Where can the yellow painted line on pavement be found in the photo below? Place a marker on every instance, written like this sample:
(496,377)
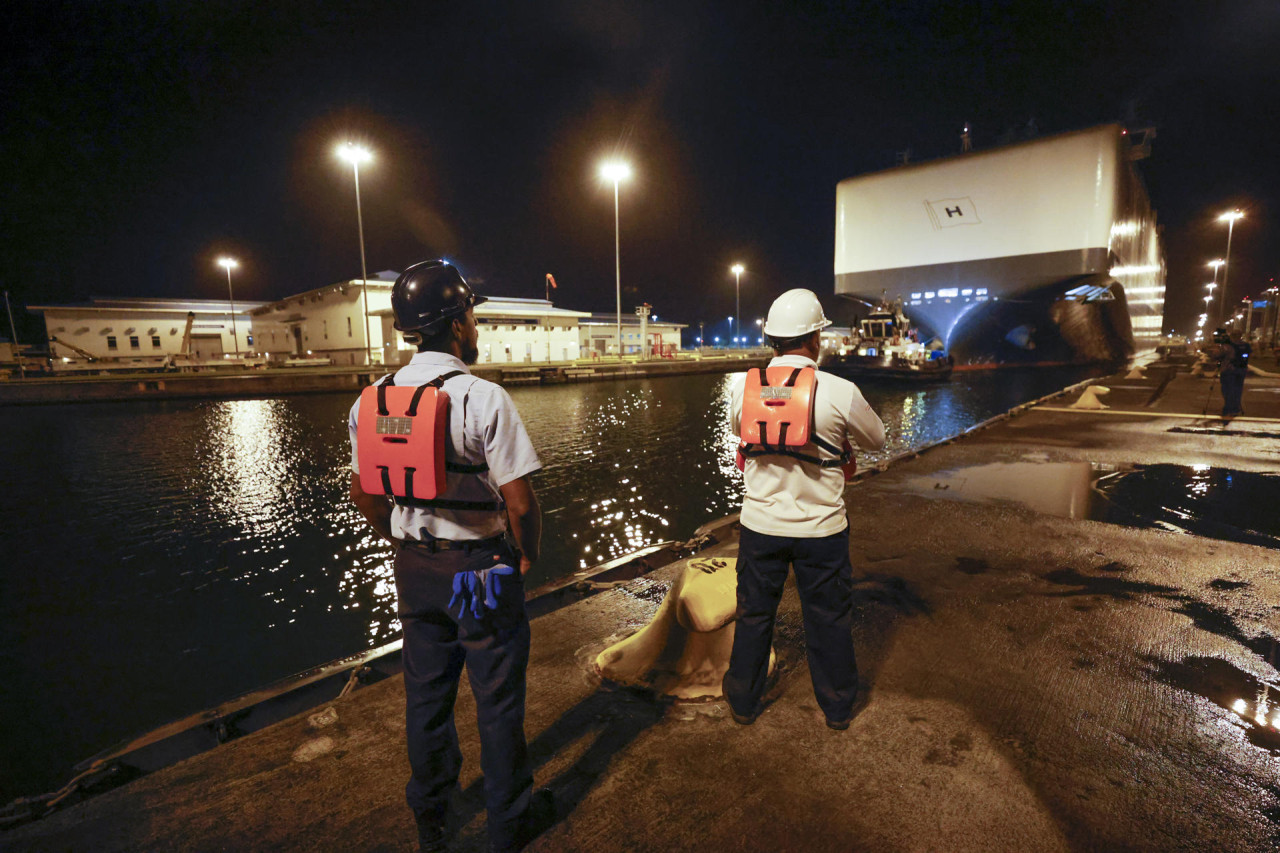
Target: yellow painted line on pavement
(1154,414)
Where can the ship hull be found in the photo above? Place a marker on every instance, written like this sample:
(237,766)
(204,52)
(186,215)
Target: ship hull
(1044,251)
(866,367)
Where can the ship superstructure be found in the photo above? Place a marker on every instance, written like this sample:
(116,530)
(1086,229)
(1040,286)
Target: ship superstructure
(1045,250)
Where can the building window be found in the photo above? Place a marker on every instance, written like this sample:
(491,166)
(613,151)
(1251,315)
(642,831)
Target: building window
(348,327)
(111,341)
(249,338)
(133,342)
(155,342)
(326,329)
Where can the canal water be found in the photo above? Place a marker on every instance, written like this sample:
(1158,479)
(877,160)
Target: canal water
(158,558)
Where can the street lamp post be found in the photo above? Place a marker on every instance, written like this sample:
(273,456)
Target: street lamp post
(617,171)
(1217,265)
(1230,218)
(229,264)
(355,155)
(737,270)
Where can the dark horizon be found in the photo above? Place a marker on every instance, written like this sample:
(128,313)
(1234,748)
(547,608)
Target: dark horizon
(145,141)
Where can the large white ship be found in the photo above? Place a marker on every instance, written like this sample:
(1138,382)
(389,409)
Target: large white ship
(1039,251)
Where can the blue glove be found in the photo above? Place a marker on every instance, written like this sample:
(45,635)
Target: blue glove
(468,586)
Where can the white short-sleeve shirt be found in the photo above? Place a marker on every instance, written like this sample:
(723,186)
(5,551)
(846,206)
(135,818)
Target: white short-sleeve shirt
(790,497)
(484,426)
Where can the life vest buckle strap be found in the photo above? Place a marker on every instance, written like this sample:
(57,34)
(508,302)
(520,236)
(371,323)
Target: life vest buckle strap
(450,503)
(382,394)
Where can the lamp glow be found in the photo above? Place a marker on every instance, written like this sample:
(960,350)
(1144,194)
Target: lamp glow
(354,154)
(615,170)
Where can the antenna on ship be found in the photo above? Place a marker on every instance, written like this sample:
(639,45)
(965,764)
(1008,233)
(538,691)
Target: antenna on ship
(966,141)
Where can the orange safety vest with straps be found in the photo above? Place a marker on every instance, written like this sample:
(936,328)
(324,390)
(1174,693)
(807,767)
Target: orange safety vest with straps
(401,436)
(777,419)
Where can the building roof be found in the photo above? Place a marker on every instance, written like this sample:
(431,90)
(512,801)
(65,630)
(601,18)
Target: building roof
(376,283)
(122,305)
(512,306)
(611,319)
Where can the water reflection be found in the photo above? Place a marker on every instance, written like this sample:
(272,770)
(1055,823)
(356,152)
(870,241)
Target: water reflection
(214,544)
(1055,488)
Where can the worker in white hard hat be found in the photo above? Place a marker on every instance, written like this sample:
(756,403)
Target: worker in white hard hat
(798,426)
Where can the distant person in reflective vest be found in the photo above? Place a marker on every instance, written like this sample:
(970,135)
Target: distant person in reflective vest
(798,426)
(440,465)
(1233,355)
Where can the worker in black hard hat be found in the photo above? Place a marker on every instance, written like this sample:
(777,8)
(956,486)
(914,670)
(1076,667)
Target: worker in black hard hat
(461,552)
(1232,353)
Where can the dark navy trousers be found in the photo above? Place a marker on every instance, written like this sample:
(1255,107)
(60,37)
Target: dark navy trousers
(1232,380)
(494,646)
(824,579)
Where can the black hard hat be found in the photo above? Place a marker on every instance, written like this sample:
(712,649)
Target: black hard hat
(428,294)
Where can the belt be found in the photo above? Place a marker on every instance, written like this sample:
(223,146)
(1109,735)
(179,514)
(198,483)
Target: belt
(432,546)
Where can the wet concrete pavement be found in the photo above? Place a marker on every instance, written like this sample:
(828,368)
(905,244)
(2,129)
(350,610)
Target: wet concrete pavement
(1038,681)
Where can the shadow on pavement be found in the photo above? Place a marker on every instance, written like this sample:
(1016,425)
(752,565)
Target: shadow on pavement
(611,718)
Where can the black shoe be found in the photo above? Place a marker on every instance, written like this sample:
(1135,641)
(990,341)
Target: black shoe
(430,835)
(744,719)
(859,703)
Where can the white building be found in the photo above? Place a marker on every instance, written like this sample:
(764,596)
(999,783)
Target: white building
(145,331)
(512,331)
(328,323)
(599,335)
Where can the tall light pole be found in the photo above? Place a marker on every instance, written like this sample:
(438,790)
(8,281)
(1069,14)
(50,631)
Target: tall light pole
(737,270)
(13,330)
(355,155)
(1217,265)
(1230,218)
(229,264)
(617,171)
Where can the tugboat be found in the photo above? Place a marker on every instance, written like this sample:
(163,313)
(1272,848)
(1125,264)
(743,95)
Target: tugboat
(886,347)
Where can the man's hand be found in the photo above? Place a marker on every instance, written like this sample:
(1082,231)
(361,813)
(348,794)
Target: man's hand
(525,519)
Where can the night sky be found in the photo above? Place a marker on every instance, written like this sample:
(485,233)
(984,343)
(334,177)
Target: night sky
(141,140)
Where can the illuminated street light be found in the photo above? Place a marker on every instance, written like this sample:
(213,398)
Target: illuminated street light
(737,270)
(355,155)
(1230,218)
(229,264)
(617,171)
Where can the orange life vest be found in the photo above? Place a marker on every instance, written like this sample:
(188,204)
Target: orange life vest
(401,436)
(777,418)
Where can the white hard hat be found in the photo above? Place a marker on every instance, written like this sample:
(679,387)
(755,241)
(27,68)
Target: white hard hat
(795,313)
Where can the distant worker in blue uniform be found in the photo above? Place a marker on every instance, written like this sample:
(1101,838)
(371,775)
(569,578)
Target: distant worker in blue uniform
(798,427)
(1233,355)
(440,465)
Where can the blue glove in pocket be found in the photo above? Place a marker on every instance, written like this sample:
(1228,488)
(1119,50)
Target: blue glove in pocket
(479,589)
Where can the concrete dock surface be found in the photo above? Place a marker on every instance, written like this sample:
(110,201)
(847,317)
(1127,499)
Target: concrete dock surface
(1038,681)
